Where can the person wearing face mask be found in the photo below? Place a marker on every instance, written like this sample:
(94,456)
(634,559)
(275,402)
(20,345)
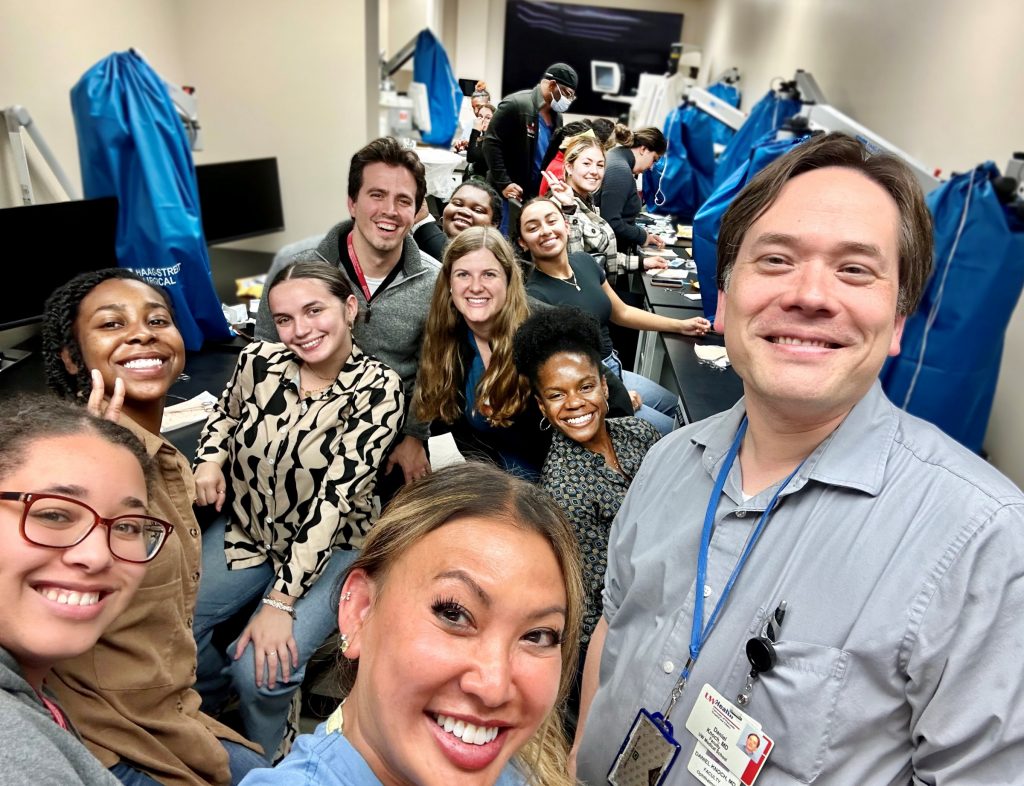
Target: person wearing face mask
(517,139)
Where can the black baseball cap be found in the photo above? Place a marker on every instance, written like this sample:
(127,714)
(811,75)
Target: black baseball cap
(564,74)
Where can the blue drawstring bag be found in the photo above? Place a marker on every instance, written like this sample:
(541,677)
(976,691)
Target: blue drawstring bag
(766,117)
(431,67)
(952,345)
(132,145)
(721,134)
(680,182)
(708,220)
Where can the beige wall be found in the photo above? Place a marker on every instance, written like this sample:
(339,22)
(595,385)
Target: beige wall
(45,47)
(291,80)
(285,80)
(940,80)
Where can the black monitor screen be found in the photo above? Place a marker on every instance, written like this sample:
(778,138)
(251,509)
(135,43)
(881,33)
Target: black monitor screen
(85,232)
(239,199)
(539,34)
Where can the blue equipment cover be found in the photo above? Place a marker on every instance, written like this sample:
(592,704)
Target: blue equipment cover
(431,67)
(952,345)
(766,117)
(708,220)
(721,134)
(133,146)
(680,182)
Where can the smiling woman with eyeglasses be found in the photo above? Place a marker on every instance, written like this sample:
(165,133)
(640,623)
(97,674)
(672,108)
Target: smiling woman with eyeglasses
(75,535)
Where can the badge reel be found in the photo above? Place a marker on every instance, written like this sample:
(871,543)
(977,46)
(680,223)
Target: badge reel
(761,653)
(648,753)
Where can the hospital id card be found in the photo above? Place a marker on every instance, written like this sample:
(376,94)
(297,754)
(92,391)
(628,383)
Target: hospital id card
(731,746)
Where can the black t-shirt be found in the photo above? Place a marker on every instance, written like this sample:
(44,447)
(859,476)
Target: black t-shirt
(590,298)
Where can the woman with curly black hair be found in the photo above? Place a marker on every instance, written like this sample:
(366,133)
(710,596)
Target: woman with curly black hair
(592,459)
(107,335)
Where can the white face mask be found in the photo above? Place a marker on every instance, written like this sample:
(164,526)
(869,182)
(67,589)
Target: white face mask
(563,103)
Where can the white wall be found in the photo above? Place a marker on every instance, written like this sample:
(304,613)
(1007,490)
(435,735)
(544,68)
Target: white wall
(46,46)
(291,80)
(939,79)
(285,80)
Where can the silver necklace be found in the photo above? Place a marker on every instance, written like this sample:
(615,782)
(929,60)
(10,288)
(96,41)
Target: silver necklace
(571,281)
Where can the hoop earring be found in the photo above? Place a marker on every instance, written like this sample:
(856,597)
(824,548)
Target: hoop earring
(543,421)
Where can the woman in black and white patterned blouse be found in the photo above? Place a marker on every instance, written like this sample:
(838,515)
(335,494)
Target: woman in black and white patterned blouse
(298,436)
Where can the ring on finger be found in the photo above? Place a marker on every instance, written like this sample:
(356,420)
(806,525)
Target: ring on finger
(271,654)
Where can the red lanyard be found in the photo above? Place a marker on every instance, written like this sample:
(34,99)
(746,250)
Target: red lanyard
(358,268)
(55,712)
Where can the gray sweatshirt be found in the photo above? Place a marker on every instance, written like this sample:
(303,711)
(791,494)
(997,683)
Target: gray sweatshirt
(34,750)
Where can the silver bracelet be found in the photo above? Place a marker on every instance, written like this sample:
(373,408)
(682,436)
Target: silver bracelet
(276,604)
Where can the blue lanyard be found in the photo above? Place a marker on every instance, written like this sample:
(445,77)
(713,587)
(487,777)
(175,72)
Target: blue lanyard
(698,634)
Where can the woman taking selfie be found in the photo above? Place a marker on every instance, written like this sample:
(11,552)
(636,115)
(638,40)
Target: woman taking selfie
(300,432)
(459,626)
(76,538)
(565,279)
(109,341)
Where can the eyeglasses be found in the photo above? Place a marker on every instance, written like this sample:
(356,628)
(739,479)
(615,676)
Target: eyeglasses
(58,522)
(566,92)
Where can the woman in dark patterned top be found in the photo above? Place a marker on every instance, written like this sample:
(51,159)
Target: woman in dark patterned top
(592,460)
(300,432)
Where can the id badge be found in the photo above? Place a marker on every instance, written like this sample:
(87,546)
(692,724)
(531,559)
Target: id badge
(647,754)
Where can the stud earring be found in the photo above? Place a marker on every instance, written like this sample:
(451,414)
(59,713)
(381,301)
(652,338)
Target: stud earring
(344,643)
(346,596)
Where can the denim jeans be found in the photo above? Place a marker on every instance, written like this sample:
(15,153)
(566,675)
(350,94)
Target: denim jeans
(240,761)
(222,593)
(660,404)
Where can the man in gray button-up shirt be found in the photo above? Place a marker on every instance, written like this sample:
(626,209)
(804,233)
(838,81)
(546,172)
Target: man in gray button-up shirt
(900,554)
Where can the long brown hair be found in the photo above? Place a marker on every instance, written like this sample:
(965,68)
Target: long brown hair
(442,374)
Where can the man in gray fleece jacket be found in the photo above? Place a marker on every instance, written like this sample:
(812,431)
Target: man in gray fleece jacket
(391,278)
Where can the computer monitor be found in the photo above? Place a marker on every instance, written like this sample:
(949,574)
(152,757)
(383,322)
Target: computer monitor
(86,233)
(239,199)
(605,77)
(420,106)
